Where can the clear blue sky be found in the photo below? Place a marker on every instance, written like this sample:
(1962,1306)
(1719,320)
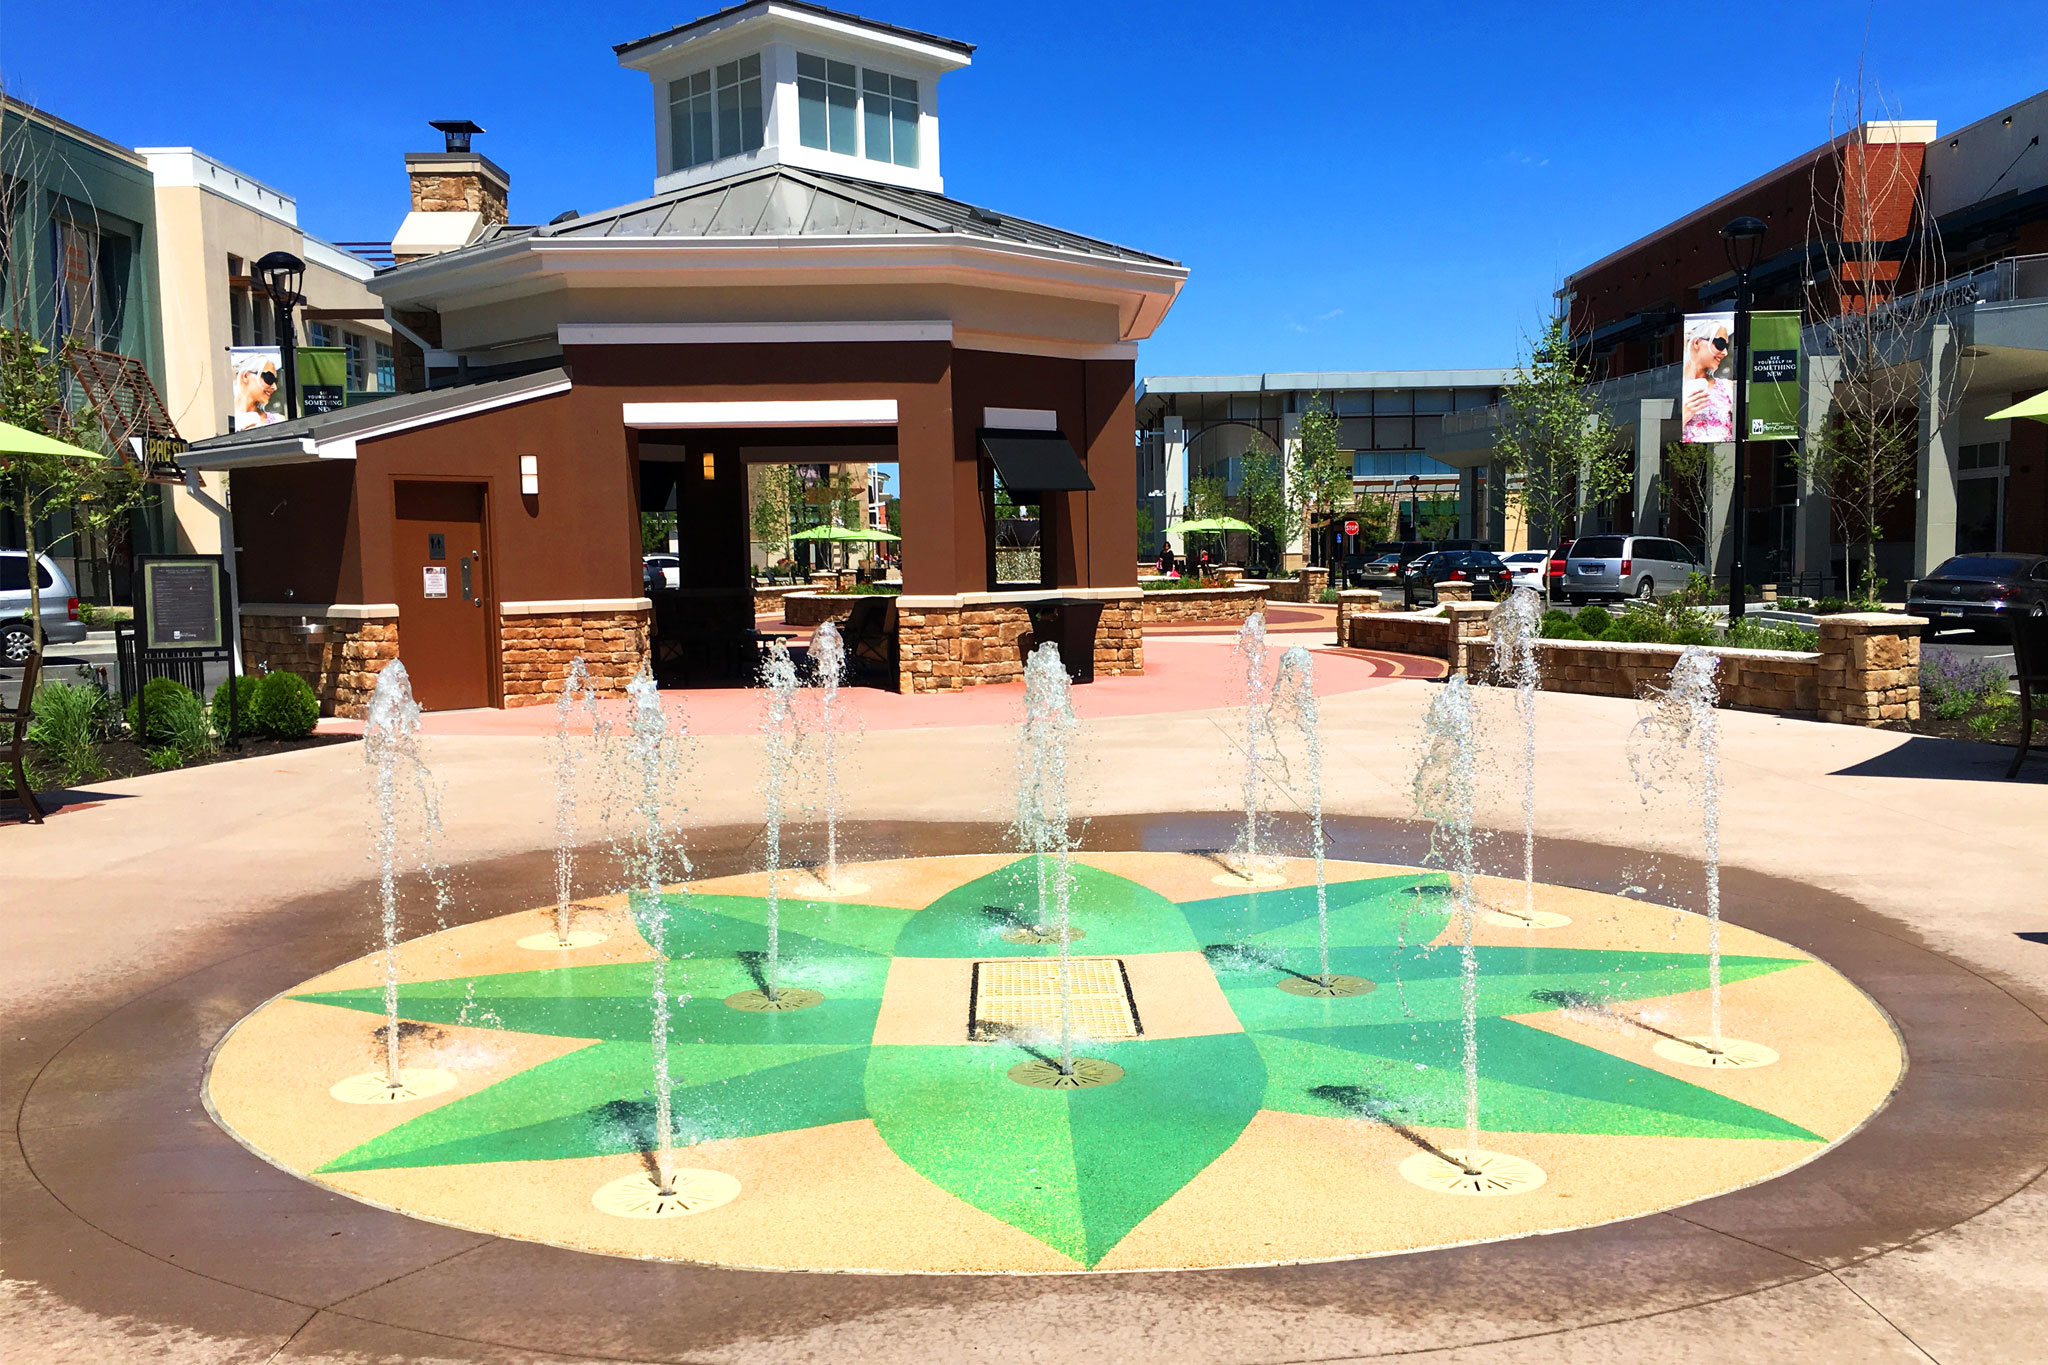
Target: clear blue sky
(1355,186)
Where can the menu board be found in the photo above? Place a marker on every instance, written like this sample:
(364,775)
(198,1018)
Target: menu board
(181,603)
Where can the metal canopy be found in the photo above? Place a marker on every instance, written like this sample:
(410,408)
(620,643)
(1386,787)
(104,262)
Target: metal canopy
(1035,461)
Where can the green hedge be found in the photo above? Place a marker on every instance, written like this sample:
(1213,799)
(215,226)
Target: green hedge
(167,698)
(284,706)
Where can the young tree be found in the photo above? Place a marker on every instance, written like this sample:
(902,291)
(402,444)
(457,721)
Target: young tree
(1872,236)
(1264,496)
(1319,483)
(1691,474)
(1436,517)
(1555,440)
(778,493)
(96,491)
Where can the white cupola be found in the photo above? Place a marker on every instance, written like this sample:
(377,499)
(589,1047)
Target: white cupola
(781,82)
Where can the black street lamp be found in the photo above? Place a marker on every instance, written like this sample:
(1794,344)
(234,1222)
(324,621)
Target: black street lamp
(1414,506)
(281,273)
(1743,239)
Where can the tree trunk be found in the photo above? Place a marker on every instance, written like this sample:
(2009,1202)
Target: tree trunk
(35,592)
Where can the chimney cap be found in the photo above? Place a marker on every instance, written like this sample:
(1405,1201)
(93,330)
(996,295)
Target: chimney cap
(455,132)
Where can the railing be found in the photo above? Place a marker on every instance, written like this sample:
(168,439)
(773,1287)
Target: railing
(376,253)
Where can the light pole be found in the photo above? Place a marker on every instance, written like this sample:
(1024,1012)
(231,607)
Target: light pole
(281,273)
(1415,507)
(1743,239)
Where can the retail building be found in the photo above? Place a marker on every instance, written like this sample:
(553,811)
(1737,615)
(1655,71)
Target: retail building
(799,288)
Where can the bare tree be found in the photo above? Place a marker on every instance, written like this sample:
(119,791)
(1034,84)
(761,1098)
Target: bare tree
(1874,270)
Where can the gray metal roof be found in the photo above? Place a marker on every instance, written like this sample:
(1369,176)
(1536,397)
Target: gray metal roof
(784,201)
(401,410)
(841,15)
(1325,380)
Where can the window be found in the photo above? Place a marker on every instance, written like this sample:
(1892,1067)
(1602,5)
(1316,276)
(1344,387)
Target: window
(826,99)
(320,334)
(387,368)
(715,114)
(358,377)
(77,261)
(890,117)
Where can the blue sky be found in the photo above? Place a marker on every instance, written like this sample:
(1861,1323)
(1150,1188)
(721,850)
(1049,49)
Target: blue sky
(1354,186)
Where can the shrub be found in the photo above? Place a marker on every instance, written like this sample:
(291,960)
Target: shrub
(285,706)
(1746,634)
(67,722)
(164,759)
(244,707)
(1983,724)
(162,695)
(1594,621)
(1637,628)
(188,727)
(1555,619)
(1328,597)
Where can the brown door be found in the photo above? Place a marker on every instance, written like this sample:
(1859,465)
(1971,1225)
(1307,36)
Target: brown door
(445,608)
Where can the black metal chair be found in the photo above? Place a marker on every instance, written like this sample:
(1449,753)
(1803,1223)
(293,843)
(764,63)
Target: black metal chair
(21,792)
(2030,661)
(869,633)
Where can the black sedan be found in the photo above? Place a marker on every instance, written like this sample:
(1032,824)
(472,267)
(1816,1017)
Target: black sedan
(1977,592)
(1491,580)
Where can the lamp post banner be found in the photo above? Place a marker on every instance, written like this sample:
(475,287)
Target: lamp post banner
(257,393)
(323,379)
(1774,376)
(1707,397)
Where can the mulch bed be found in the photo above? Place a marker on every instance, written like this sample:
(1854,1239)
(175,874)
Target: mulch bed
(124,758)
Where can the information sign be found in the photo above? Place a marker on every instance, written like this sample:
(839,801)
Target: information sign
(181,603)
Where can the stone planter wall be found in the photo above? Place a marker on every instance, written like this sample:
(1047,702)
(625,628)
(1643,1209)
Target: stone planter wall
(1869,667)
(768,599)
(807,608)
(1306,586)
(1182,606)
(945,648)
(340,659)
(535,651)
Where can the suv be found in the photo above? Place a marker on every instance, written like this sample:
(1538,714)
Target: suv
(1615,567)
(61,625)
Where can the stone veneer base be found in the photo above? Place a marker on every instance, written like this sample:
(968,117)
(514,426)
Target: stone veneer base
(945,648)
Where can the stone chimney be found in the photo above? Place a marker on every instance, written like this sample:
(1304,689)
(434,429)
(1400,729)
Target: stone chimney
(457,195)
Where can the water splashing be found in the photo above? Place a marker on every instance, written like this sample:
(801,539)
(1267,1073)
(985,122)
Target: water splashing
(1260,749)
(1513,632)
(1683,720)
(828,671)
(568,756)
(778,733)
(392,750)
(1443,794)
(1294,692)
(654,858)
(1042,814)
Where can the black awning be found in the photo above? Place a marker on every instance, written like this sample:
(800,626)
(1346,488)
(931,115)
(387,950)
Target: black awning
(1035,461)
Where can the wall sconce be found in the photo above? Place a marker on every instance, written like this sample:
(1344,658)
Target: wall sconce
(529,475)
(710,466)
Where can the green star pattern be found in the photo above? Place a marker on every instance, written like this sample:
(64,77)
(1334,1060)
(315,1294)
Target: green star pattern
(1077,1169)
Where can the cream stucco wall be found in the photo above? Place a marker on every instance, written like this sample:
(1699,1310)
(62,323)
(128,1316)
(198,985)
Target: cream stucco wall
(197,230)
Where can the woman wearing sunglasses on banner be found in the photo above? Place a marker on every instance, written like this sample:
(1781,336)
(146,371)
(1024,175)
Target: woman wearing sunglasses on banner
(255,390)
(1709,396)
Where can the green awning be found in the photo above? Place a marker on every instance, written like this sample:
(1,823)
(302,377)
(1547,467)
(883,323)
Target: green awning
(844,533)
(16,440)
(1210,524)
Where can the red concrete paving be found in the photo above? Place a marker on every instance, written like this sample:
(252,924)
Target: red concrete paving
(1179,675)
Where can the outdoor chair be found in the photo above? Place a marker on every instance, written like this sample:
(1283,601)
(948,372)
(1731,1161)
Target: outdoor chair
(2030,661)
(869,633)
(21,791)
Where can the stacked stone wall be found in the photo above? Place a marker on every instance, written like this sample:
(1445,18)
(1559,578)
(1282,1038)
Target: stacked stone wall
(808,608)
(1184,606)
(1869,668)
(943,649)
(339,658)
(535,653)
(1305,586)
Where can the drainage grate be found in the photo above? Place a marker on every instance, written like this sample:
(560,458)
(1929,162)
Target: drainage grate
(1022,995)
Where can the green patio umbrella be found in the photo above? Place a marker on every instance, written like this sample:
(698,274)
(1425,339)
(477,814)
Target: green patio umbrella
(16,440)
(844,533)
(2035,407)
(1210,524)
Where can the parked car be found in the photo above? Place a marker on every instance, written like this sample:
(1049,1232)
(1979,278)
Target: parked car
(1553,572)
(1483,569)
(1527,567)
(1411,575)
(1978,591)
(1364,571)
(660,571)
(61,625)
(1610,568)
(1404,551)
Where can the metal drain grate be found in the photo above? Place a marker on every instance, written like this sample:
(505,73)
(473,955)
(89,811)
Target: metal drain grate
(1022,995)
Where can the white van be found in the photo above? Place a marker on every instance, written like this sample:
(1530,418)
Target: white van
(61,625)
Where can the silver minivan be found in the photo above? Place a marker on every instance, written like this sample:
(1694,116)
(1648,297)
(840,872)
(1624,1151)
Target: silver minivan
(61,625)
(1614,567)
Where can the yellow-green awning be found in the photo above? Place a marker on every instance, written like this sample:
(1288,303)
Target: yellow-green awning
(2035,407)
(16,440)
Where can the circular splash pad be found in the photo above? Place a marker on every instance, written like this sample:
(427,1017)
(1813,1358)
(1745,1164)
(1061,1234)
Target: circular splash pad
(879,1128)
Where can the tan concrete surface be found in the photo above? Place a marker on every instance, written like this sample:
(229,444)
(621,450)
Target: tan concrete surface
(105,903)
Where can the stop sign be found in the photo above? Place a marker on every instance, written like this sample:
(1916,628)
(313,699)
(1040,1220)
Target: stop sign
(1350,528)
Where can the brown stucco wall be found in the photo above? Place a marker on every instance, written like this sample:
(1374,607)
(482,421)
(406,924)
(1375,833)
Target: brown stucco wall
(296,526)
